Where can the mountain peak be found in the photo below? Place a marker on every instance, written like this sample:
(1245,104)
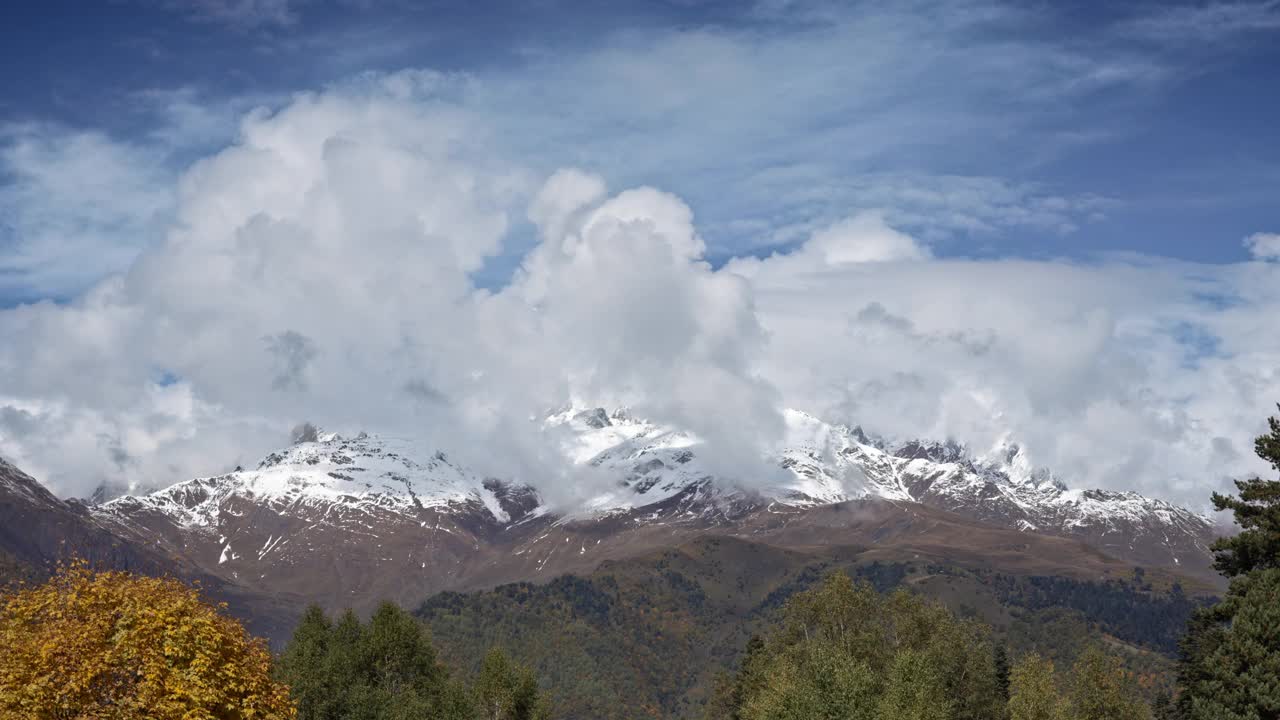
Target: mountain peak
(628,465)
(357,471)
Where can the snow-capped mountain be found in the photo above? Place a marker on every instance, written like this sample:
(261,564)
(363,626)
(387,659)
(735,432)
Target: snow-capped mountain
(1001,488)
(341,506)
(340,519)
(834,463)
(364,474)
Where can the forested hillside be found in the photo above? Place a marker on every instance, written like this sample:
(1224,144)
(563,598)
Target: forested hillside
(647,637)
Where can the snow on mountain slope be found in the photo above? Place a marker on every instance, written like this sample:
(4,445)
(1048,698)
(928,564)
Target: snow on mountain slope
(650,463)
(392,474)
(834,463)
(1002,488)
(654,463)
(338,520)
(386,502)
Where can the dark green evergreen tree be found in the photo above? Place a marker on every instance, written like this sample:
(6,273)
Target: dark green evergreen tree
(1237,677)
(1257,512)
(1002,672)
(1204,634)
(1229,662)
(304,666)
(388,669)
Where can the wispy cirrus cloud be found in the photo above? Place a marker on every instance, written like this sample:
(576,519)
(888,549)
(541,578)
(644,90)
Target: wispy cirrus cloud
(241,14)
(771,131)
(74,206)
(1201,22)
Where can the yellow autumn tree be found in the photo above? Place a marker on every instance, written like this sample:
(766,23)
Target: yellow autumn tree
(113,645)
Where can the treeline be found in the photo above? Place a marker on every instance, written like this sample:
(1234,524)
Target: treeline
(653,631)
(1125,610)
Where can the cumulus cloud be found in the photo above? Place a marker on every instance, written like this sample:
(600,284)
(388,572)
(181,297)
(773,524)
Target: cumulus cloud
(323,266)
(1133,373)
(861,239)
(636,318)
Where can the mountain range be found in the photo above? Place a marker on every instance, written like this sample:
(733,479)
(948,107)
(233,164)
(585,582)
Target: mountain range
(347,521)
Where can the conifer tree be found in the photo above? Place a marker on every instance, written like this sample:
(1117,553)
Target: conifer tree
(1257,512)
(1163,708)
(1001,659)
(388,669)
(732,689)
(1238,678)
(304,665)
(1229,663)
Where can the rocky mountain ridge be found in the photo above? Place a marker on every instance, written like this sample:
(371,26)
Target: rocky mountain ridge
(348,520)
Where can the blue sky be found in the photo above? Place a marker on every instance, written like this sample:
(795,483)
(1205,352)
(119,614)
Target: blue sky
(1062,129)
(1055,224)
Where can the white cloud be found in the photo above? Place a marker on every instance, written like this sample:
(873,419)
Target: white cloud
(771,134)
(1131,373)
(1264,246)
(72,195)
(861,239)
(322,267)
(790,130)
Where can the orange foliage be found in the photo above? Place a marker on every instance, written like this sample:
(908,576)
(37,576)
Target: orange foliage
(113,645)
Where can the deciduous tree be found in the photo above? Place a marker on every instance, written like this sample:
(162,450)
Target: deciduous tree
(844,651)
(114,645)
(1101,689)
(1033,691)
